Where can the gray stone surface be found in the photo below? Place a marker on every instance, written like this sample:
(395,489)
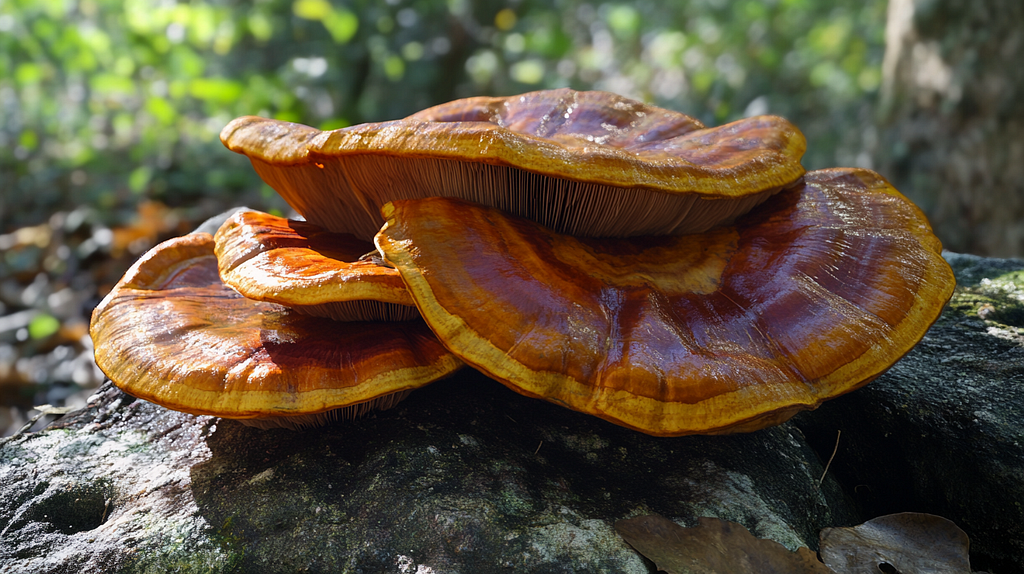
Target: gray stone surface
(943,430)
(464,476)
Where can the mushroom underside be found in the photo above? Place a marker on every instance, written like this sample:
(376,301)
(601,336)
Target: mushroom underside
(344,194)
(306,422)
(589,164)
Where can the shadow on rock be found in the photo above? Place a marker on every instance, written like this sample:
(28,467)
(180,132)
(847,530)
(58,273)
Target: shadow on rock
(466,475)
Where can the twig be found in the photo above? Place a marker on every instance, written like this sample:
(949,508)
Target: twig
(43,411)
(829,463)
(538,448)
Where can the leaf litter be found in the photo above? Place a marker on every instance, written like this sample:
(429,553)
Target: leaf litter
(905,543)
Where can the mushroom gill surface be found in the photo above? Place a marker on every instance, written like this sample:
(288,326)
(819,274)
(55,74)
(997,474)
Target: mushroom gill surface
(814,294)
(309,270)
(585,163)
(171,333)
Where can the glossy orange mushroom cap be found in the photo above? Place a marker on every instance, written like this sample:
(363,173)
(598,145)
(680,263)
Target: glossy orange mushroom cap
(308,269)
(171,333)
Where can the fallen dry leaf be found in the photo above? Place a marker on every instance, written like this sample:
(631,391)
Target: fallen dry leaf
(908,543)
(714,546)
(152,219)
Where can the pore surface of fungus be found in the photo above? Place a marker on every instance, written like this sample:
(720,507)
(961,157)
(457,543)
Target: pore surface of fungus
(814,294)
(171,333)
(585,163)
(308,269)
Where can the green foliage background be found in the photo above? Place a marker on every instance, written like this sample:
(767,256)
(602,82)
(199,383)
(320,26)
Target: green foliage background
(108,102)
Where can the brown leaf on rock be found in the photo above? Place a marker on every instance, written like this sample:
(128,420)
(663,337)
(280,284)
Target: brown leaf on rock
(908,542)
(714,546)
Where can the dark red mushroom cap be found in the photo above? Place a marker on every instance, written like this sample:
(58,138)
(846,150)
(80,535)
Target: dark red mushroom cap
(814,294)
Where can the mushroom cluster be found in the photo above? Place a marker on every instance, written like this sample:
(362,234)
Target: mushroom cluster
(618,259)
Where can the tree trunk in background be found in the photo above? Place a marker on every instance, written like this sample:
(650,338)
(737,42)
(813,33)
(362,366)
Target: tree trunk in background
(953,118)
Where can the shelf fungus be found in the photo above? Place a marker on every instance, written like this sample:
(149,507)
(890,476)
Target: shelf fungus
(584,163)
(172,333)
(618,259)
(308,269)
(812,295)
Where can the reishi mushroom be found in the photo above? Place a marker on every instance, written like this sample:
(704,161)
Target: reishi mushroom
(171,333)
(308,269)
(642,285)
(584,163)
(813,295)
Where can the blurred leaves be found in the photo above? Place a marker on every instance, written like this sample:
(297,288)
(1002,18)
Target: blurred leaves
(42,326)
(108,103)
(51,277)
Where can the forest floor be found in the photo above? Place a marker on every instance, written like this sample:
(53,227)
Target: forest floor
(52,275)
